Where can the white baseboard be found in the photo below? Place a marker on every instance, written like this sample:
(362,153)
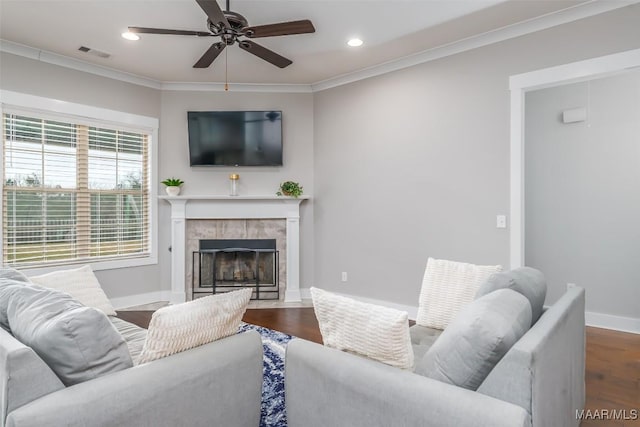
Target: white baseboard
(412,310)
(140,299)
(609,321)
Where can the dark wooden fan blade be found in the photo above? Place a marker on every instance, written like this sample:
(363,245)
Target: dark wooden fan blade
(143,30)
(210,55)
(213,11)
(264,53)
(281,29)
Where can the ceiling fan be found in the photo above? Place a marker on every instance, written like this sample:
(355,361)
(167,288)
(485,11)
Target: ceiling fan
(230,27)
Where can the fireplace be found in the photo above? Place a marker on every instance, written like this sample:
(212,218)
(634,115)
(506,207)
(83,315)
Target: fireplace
(195,217)
(223,265)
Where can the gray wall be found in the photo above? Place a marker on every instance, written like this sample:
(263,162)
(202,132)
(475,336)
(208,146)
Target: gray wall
(582,191)
(297,134)
(38,78)
(415,163)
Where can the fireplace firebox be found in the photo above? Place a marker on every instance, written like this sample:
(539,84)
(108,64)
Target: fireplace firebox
(223,265)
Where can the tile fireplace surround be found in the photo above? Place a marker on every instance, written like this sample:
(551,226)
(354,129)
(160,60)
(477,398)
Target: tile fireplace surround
(185,208)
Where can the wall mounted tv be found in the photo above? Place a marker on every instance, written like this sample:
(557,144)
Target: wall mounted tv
(235,138)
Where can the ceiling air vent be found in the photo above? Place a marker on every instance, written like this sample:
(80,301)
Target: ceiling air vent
(94,52)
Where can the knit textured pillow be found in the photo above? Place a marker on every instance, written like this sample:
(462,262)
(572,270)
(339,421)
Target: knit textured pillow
(81,284)
(179,327)
(447,287)
(369,330)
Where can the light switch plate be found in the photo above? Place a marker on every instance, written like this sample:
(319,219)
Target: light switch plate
(501,221)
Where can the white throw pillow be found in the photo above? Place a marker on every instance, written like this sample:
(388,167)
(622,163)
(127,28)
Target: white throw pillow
(81,284)
(179,327)
(447,287)
(369,330)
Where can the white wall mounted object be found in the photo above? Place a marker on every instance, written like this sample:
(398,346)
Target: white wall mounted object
(574,115)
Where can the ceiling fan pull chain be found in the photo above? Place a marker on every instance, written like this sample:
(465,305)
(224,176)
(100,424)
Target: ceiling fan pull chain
(226,68)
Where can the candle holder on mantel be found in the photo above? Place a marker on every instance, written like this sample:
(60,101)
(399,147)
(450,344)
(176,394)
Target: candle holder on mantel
(233,181)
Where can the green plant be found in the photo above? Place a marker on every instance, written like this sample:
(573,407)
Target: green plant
(290,188)
(173,182)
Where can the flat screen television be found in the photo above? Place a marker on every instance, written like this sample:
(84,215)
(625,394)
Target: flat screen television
(235,138)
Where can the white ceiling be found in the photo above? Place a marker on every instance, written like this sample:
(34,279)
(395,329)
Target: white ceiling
(390,29)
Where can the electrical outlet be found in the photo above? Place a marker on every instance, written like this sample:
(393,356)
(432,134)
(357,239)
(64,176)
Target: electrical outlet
(501,221)
(344,276)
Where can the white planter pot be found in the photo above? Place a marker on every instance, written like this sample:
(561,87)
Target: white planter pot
(172,191)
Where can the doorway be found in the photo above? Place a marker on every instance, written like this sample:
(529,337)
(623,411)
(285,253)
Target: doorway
(576,182)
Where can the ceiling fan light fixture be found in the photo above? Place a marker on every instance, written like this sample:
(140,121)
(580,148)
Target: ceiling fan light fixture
(355,42)
(230,27)
(130,36)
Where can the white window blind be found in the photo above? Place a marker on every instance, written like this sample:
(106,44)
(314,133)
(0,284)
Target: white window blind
(73,192)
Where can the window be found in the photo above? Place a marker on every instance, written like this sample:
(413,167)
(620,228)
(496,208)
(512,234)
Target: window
(74,190)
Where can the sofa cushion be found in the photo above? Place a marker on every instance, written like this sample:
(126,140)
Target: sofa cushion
(179,327)
(422,338)
(448,286)
(6,285)
(369,330)
(78,343)
(81,284)
(422,335)
(133,335)
(13,274)
(475,341)
(525,280)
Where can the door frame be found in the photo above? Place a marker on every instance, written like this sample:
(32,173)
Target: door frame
(519,85)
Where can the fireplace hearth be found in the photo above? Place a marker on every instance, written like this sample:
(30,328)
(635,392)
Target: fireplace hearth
(223,265)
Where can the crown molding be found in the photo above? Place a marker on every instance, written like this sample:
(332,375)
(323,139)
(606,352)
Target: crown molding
(574,13)
(237,87)
(553,19)
(79,65)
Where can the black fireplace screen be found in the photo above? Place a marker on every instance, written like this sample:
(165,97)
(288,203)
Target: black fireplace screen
(224,265)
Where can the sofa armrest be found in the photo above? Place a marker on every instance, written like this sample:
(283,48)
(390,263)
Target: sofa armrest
(218,384)
(327,387)
(544,371)
(24,376)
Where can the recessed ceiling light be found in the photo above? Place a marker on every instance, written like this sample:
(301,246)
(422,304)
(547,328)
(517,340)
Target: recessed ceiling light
(355,42)
(130,36)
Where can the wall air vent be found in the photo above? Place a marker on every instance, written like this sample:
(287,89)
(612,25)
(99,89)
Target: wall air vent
(94,52)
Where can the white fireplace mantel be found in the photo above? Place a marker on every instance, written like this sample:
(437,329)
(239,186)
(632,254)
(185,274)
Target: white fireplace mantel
(234,207)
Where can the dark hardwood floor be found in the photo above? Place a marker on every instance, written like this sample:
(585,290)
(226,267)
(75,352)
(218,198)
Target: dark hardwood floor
(613,375)
(140,318)
(612,364)
(299,322)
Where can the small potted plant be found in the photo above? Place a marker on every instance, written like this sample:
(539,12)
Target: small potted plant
(290,188)
(173,186)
